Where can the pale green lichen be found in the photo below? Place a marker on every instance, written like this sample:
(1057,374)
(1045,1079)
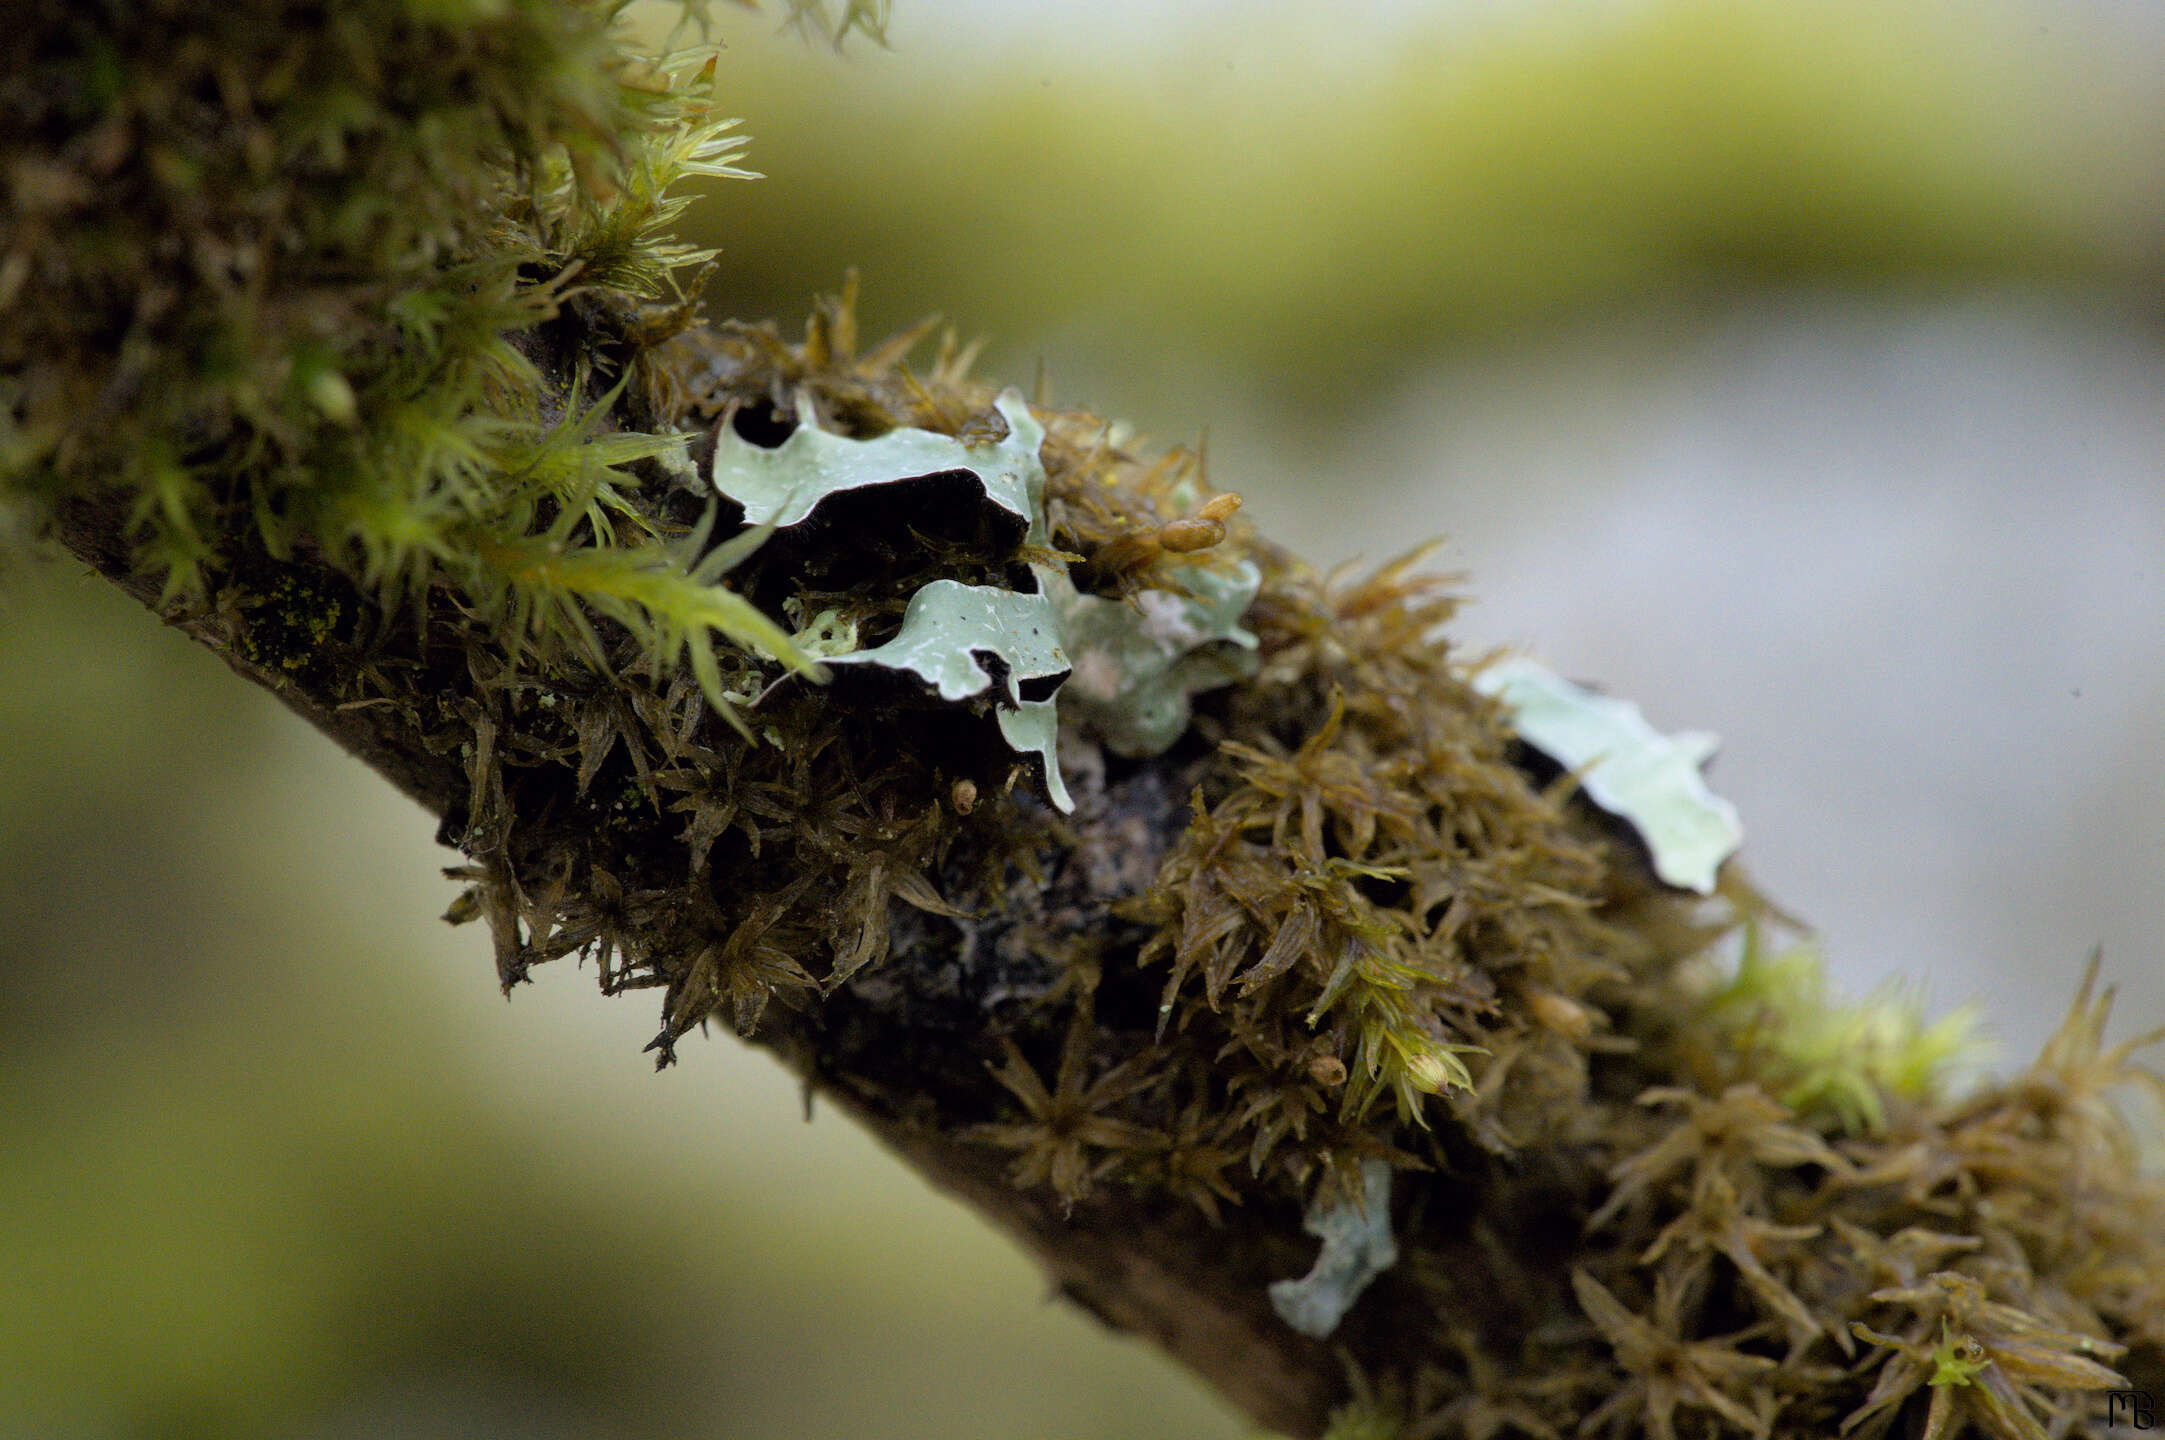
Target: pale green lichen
(949,630)
(949,625)
(1357,1247)
(784,484)
(1137,664)
(1625,766)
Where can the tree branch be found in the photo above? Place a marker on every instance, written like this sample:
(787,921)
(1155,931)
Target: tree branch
(1168,905)
(906,1047)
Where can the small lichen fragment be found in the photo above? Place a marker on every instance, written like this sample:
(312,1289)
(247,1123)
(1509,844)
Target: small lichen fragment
(1625,766)
(946,630)
(828,634)
(1033,728)
(1137,663)
(676,462)
(1357,1247)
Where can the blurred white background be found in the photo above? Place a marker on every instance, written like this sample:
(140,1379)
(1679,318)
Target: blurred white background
(1907,559)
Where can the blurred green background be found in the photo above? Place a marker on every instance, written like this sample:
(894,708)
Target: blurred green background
(1794,369)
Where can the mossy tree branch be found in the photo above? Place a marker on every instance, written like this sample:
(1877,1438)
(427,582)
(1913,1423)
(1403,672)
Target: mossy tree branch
(905,1062)
(357,352)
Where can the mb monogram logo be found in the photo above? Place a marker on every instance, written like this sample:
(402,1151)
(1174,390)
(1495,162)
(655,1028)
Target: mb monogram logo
(2132,1408)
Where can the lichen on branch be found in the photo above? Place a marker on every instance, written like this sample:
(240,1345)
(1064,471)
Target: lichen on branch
(356,344)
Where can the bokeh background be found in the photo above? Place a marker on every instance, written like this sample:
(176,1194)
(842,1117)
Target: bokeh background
(1794,369)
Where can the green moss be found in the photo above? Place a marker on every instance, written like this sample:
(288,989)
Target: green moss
(1844,1063)
(275,276)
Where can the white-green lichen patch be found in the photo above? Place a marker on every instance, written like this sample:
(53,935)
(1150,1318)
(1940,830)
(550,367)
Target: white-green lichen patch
(1129,667)
(1138,662)
(947,631)
(1357,1247)
(783,485)
(1643,777)
(826,635)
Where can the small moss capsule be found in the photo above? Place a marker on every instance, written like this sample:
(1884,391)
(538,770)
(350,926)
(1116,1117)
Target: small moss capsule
(1565,1016)
(1428,1072)
(1184,537)
(1200,531)
(1327,1070)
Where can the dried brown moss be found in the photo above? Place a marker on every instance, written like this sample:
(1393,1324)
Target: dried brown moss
(1373,892)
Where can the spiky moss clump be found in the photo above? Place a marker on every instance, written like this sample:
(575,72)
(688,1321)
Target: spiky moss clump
(1988,1266)
(1676,1214)
(1372,900)
(1373,906)
(276,276)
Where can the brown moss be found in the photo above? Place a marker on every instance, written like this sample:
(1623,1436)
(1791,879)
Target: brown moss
(1374,897)
(1606,1214)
